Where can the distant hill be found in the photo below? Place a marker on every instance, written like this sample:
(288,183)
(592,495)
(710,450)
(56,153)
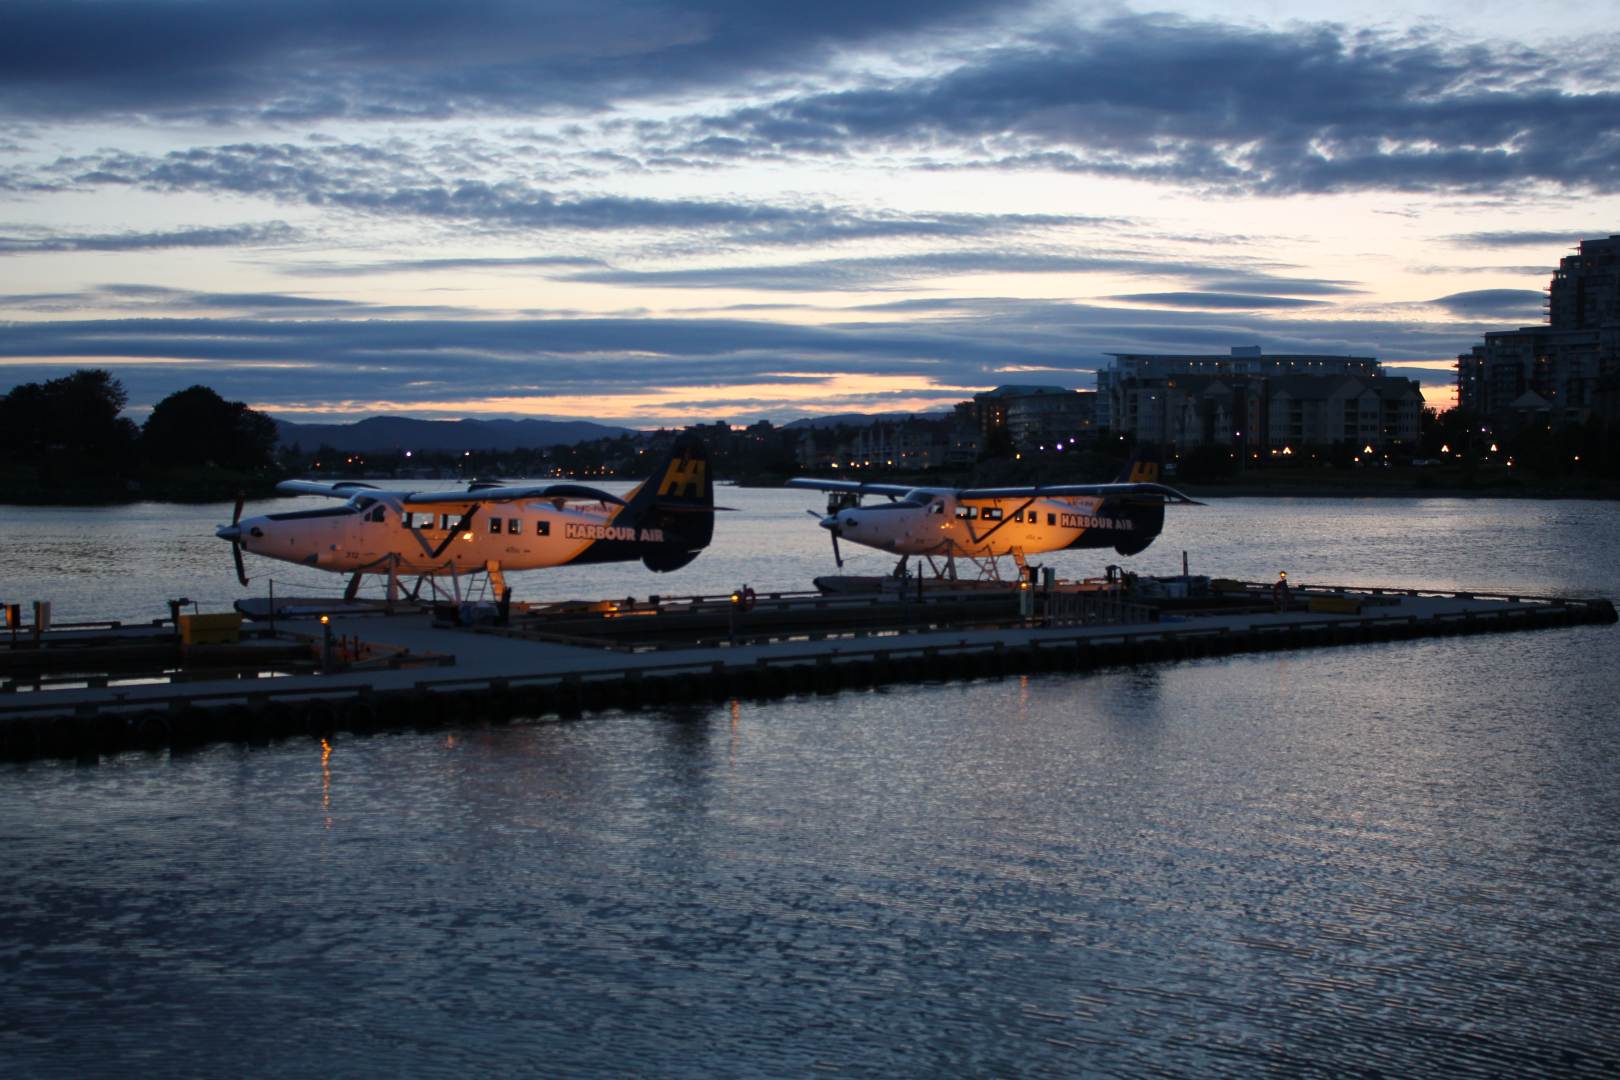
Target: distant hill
(862,419)
(380,433)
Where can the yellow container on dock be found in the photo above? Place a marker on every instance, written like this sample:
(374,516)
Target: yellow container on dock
(224,628)
(1336,605)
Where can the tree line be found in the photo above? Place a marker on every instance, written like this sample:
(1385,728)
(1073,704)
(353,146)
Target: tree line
(66,440)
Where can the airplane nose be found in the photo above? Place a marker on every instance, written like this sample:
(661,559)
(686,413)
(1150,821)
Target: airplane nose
(830,521)
(229,532)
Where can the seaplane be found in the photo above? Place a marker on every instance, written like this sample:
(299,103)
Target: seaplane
(983,525)
(487,528)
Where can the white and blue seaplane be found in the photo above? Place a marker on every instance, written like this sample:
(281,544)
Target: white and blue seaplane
(486,528)
(985,524)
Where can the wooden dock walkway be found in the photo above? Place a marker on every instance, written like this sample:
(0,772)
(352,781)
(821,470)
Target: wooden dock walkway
(411,670)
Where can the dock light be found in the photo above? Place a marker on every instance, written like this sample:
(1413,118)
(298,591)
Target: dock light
(1493,448)
(1368,449)
(326,620)
(1445,448)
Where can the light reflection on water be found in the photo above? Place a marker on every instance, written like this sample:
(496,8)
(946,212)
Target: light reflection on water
(1396,858)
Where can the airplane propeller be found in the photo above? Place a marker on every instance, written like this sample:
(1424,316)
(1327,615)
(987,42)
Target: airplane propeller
(833,531)
(234,535)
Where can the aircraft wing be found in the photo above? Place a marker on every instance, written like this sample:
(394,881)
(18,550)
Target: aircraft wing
(512,493)
(859,487)
(339,489)
(1040,491)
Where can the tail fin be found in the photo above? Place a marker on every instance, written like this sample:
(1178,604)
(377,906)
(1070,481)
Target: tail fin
(678,500)
(1146,515)
(1142,468)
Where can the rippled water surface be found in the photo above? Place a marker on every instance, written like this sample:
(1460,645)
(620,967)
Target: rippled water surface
(1392,860)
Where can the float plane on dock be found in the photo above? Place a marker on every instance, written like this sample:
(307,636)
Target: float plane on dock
(984,524)
(488,527)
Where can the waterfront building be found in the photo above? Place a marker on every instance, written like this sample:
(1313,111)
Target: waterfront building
(1032,416)
(1255,403)
(1563,372)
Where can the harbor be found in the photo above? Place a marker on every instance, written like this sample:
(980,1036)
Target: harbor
(320,669)
(1256,862)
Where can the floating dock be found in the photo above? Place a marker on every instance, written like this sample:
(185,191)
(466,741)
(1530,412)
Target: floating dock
(88,690)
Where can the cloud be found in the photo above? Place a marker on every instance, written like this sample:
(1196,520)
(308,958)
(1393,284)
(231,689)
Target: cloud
(1157,98)
(303,60)
(1503,305)
(1199,300)
(148,299)
(274,233)
(1526,238)
(888,271)
(405,182)
(592,366)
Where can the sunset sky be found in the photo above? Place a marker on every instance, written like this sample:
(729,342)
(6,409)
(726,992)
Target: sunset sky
(650,213)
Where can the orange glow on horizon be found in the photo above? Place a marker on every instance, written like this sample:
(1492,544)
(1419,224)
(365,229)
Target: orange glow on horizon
(821,393)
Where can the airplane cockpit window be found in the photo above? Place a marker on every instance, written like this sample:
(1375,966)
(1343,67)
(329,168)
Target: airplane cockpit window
(937,508)
(362,502)
(376,514)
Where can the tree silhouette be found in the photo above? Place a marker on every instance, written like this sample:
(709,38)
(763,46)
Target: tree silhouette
(198,427)
(74,417)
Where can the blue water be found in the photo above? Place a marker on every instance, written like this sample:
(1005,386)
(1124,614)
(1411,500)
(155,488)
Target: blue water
(1394,859)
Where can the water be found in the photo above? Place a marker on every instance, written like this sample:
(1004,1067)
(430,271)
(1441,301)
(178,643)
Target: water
(1394,860)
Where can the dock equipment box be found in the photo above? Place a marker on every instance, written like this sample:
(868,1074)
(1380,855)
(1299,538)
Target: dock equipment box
(224,628)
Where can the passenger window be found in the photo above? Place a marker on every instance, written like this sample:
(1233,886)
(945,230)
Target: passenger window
(542,528)
(495,525)
(967,513)
(1018,516)
(992,513)
(514,525)
(445,521)
(1051,519)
